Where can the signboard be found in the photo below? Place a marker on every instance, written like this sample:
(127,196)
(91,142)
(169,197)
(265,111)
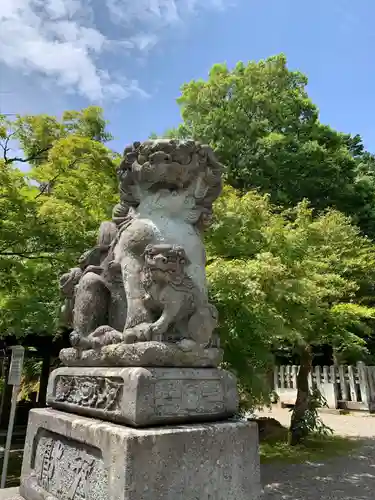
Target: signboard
(16,364)
(14,379)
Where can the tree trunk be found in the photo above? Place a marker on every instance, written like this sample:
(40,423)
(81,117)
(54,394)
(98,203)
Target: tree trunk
(335,359)
(297,431)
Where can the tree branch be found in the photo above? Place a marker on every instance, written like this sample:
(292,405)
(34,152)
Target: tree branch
(36,156)
(31,255)
(49,184)
(5,147)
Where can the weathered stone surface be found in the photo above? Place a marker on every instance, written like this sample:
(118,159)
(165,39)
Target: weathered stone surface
(143,354)
(145,279)
(145,396)
(66,468)
(10,494)
(69,458)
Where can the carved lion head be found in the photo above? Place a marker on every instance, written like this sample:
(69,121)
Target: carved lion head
(169,259)
(174,165)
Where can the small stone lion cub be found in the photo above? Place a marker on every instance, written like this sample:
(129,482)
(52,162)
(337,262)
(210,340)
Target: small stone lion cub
(170,292)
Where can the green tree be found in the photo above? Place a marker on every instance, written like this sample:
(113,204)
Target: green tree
(51,213)
(285,278)
(266,130)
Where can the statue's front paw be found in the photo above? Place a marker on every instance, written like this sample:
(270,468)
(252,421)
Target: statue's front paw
(157,333)
(105,335)
(187,345)
(75,338)
(130,337)
(139,333)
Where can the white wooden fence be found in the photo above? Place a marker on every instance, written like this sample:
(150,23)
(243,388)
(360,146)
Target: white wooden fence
(349,387)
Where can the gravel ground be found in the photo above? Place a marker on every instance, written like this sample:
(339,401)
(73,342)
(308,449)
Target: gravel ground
(344,478)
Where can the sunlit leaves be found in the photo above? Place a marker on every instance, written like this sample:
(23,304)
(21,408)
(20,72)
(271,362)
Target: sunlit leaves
(51,214)
(265,129)
(285,278)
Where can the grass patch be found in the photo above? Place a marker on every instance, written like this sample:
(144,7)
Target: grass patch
(314,449)
(14,469)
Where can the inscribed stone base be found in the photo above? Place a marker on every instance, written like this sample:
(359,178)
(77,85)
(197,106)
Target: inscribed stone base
(145,396)
(70,458)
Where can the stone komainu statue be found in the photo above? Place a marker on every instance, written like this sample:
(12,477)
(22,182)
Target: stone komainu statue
(145,280)
(98,280)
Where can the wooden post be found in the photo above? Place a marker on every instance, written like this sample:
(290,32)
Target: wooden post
(310,380)
(333,374)
(318,376)
(6,397)
(353,391)
(364,385)
(343,384)
(282,377)
(294,376)
(43,380)
(275,378)
(288,380)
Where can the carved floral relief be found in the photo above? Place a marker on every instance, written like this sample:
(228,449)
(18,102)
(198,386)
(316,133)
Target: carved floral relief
(93,392)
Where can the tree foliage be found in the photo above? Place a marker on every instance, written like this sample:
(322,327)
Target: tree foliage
(266,130)
(51,213)
(285,277)
(310,280)
(286,265)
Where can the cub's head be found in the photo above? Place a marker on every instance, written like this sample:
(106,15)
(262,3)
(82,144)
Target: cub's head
(166,258)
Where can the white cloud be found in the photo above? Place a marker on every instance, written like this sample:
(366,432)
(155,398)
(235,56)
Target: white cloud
(159,12)
(144,41)
(58,9)
(58,40)
(49,38)
(145,11)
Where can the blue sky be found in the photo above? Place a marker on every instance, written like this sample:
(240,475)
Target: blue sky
(132,56)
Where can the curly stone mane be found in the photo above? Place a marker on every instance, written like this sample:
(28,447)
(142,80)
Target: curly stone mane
(169,164)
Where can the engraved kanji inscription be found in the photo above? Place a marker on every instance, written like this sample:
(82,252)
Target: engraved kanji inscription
(68,469)
(188,396)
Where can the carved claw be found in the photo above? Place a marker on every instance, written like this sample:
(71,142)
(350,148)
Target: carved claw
(103,335)
(157,332)
(157,337)
(75,338)
(187,345)
(139,333)
(130,337)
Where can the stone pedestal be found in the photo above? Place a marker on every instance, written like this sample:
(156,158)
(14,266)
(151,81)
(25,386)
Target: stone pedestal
(142,397)
(72,457)
(69,456)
